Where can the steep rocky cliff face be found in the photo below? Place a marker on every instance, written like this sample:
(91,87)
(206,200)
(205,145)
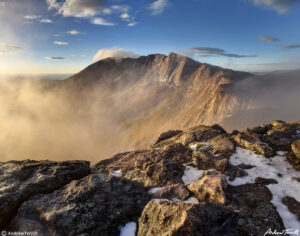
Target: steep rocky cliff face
(201,181)
(148,95)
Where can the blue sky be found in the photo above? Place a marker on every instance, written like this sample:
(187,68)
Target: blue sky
(64,36)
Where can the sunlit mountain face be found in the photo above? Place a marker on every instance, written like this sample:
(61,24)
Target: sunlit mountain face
(88,79)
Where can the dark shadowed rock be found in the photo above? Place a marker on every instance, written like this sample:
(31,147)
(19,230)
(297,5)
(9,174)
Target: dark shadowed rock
(20,180)
(173,191)
(262,129)
(293,205)
(177,152)
(204,160)
(165,218)
(210,188)
(252,202)
(278,139)
(94,205)
(252,142)
(218,127)
(167,135)
(264,181)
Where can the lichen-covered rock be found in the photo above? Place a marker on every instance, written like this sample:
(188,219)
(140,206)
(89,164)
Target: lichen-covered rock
(165,218)
(20,180)
(203,160)
(151,173)
(173,191)
(252,142)
(94,205)
(210,188)
(296,148)
(222,145)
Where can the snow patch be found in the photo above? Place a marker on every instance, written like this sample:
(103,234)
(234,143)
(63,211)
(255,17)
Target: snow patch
(271,168)
(154,190)
(281,153)
(117,173)
(298,133)
(192,200)
(194,146)
(128,230)
(191,174)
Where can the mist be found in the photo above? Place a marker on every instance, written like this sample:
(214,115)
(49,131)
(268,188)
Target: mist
(37,122)
(273,96)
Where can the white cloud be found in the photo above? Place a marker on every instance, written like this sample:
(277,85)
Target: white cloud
(132,24)
(54,58)
(125,16)
(158,6)
(60,43)
(114,52)
(32,17)
(3,4)
(77,8)
(101,21)
(74,32)
(281,6)
(47,21)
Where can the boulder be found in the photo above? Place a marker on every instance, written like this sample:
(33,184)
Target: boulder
(95,205)
(203,160)
(293,205)
(20,180)
(173,191)
(222,145)
(165,218)
(252,142)
(279,140)
(167,135)
(210,188)
(296,148)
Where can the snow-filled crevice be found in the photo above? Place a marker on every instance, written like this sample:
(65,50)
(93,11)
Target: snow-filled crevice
(271,168)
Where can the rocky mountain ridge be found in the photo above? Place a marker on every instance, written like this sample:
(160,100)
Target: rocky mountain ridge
(201,181)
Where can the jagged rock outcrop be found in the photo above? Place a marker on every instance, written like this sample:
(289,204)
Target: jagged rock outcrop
(20,180)
(174,187)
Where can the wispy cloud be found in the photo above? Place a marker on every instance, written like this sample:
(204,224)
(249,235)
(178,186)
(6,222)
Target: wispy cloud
(281,6)
(125,16)
(214,52)
(114,52)
(54,58)
(132,24)
(32,17)
(3,4)
(268,39)
(60,43)
(101,21)
(74,32)
(8,48)
(290,46)
(47,21)
(158,7)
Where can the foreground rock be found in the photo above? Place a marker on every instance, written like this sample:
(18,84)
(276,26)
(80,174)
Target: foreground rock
(20,180)
(189,170)
(252,142)
(94,205)
(165,218)
(210,188)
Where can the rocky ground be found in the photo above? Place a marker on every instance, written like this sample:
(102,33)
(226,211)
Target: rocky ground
(202,181)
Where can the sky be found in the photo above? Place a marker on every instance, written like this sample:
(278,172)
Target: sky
(64,36)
